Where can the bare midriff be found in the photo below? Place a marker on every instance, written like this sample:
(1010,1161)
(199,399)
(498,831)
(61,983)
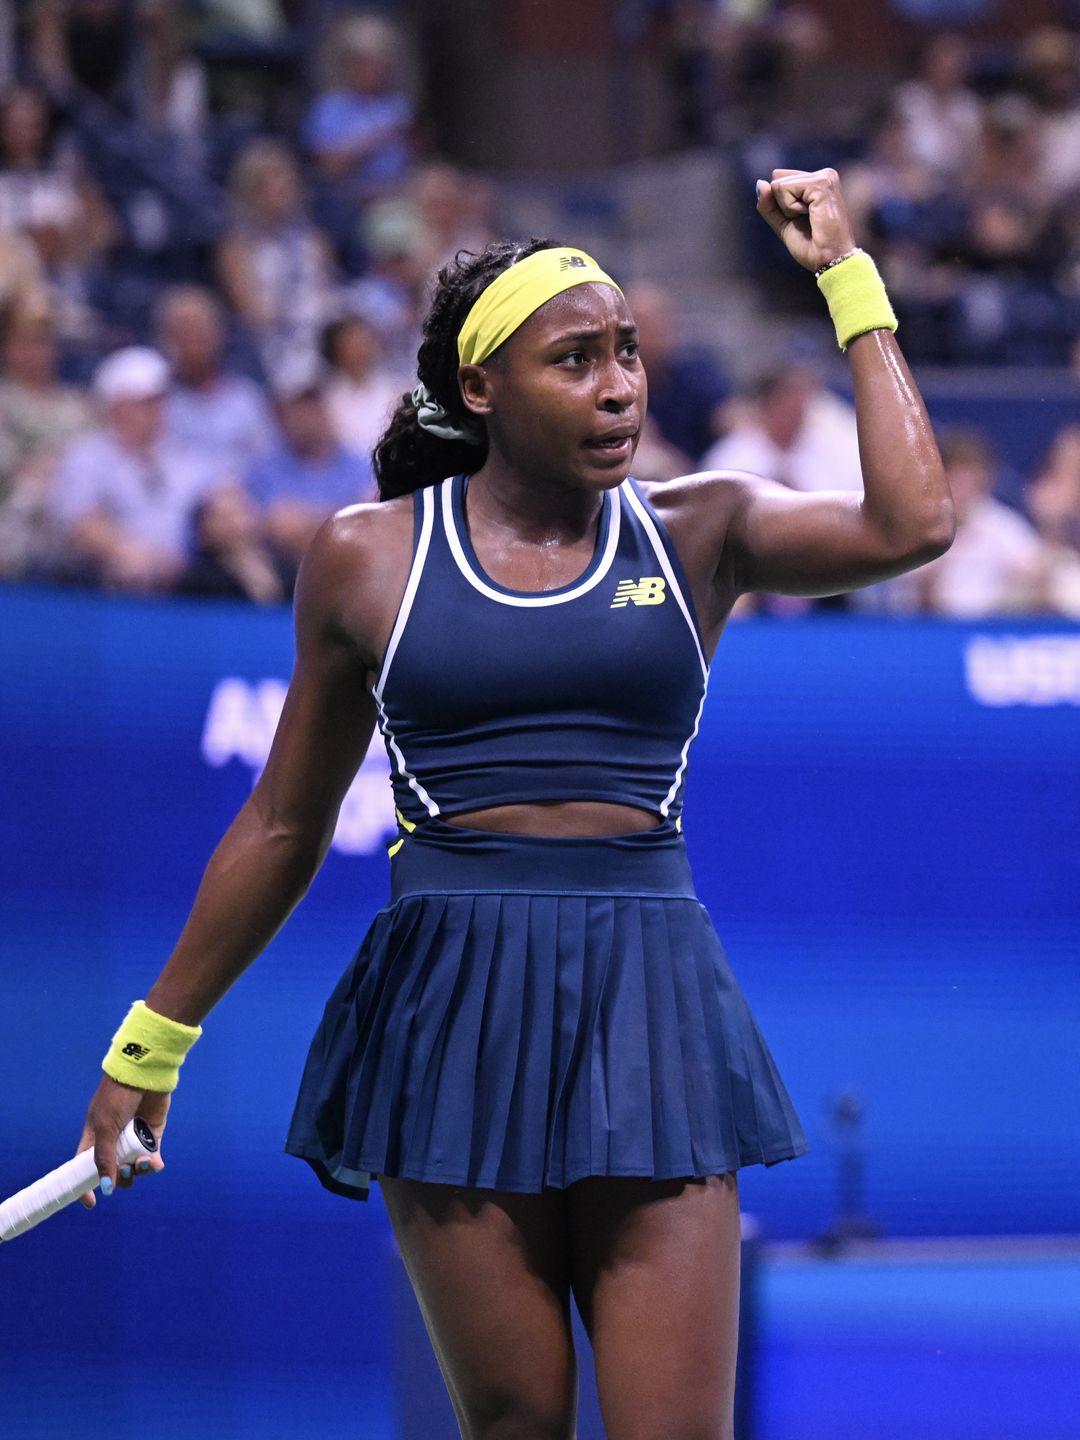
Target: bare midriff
(559,817)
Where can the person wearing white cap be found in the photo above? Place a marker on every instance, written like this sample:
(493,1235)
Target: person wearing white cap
(126,492)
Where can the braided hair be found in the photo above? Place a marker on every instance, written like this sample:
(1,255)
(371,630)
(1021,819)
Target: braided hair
(406,457)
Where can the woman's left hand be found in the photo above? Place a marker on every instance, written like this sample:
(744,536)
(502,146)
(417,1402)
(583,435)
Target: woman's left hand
(806,209)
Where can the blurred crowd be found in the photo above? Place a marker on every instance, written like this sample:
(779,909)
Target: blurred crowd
(1020,556)
(963,177)
(1007,559)
(972,198)
(213,270)
(208,306)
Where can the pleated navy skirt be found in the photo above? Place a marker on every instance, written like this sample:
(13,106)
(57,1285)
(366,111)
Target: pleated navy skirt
(528,1011)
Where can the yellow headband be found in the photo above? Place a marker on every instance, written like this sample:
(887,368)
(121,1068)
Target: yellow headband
(519,291)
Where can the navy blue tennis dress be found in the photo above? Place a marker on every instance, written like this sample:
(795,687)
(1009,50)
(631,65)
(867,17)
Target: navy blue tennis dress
(526,1010)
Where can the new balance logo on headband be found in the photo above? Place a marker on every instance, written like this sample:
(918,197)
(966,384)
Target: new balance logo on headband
(649,590)
(571,262)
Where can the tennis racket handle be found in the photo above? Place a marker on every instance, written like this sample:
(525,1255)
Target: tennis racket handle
(76,1177)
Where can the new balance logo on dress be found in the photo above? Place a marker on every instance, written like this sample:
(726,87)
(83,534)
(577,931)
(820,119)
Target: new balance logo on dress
(649,590)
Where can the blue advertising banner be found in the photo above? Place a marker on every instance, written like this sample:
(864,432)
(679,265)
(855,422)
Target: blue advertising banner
(882,819)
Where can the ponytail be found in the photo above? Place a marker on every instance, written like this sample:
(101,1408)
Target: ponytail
(408,457)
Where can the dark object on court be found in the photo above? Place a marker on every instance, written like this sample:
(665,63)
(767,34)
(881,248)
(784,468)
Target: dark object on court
(852,1222)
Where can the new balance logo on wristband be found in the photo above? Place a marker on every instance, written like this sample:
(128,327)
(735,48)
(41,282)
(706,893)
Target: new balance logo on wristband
(571,262)
(135,1052)
(649,590)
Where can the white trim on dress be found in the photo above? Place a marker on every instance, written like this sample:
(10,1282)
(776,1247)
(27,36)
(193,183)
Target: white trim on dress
(423,544)
(666,565)
(676,589)
(529,602)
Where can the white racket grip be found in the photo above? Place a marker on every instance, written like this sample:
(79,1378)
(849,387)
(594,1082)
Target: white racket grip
(76,1177)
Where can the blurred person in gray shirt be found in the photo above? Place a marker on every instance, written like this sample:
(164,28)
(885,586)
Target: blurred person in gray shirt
(125,494)
(207,407)
(39,416)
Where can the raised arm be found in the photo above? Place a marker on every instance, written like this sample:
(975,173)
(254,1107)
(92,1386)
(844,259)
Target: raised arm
(270,853)
(768,537)
(794,543)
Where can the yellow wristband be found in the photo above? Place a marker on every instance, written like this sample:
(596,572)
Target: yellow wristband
(148,1050)
(856,296)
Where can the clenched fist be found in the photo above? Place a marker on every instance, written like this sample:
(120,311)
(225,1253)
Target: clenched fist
(806,209)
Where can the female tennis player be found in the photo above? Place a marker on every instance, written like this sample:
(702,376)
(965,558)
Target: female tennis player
(540,1050)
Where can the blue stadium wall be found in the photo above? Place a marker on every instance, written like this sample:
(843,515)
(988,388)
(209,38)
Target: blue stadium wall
(883,821)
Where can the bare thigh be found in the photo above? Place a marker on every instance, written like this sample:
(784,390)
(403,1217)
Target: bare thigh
(491,1273)
(655,1271)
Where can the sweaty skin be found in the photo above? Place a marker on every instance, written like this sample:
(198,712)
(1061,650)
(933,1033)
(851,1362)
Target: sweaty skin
(563,401)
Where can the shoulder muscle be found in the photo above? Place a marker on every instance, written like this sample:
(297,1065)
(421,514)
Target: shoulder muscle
(353,576)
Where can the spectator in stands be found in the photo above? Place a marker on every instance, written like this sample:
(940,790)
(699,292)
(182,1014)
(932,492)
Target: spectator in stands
(794,431)
(1053,502)
(1006,169)
(767,60)
(1053,497)
(125,494)
(358,132)
(47,198)
(391,294)
(22,275)
(209,408)
(454,211)
(1050,69)
(131,54)
(997,563)
(230,557)
(309,474)
(1005,237)
(675,34)
(360,389)
(1007,157)
(1065,235)
(90,43)
(891,188)
(250,22)
(687,388)
(175,88)
(276,267)
(971,260)
(898,209)
(1005,304)
(939,114)
(38,417)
